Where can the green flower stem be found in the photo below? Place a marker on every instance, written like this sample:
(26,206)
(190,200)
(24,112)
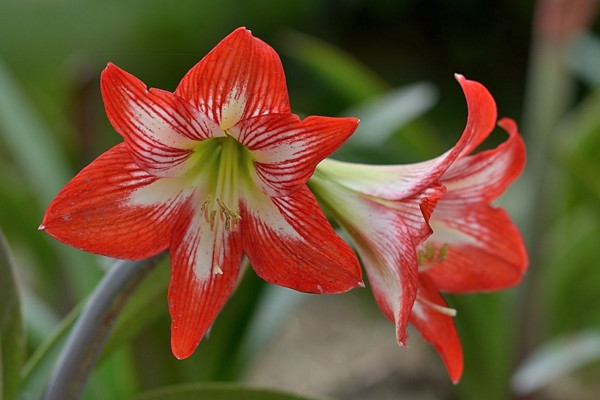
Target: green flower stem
(549,96)
(87,338)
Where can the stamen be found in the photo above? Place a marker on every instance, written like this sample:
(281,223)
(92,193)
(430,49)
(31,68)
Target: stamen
(213,214)
(451,312)
(443,253)
(429,251)
(206,203)
(229,214)
(430,257)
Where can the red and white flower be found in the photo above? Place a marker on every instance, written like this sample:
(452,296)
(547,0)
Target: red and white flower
(475,247)
(386,210)
(214,170)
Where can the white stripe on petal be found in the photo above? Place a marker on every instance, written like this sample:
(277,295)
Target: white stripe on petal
(442,233)
(161,191)
(263,209)
(233,108)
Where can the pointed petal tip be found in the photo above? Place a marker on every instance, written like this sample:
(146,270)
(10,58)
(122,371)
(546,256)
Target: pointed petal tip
(182,350)
(42,227)
(361,284)
(456,374)
(242,30)
(109,67)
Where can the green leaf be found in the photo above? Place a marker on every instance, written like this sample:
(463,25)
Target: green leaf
(485,332)
(217,392)
(12,338)
(381,116)
(42,165)
(336,68)
(36,370)
(29,142)
(556,358)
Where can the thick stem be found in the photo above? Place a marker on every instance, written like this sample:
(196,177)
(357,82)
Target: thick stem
(87,338)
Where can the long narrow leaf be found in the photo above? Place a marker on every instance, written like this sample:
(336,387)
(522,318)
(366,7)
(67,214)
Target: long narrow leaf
(44,169)
(12,338)
(556,358)
(382,116)
(340,70)
(24,135)
(36,370)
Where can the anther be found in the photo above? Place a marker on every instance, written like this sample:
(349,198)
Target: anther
(213,214)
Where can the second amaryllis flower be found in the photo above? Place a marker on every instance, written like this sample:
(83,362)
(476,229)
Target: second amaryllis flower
(214,170)
(386,211)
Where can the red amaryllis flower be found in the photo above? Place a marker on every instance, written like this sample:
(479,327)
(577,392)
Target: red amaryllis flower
(475,247)
(386,209)
(214,170)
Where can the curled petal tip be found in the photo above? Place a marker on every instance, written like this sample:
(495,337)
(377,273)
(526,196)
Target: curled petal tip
(459,77)
(508,124)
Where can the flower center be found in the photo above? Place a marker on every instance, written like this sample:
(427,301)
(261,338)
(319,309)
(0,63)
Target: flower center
(223,163)
(429,256)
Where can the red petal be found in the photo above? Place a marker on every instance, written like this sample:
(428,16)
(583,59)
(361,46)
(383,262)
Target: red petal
(481,120)
(240,78)
(416,210)
(286,151)
(485,250)
(93,211)
(204,269)
(384,242)
(290,243)
(397,182)
(391,265)
(159,127)
(484,176)
(437,328)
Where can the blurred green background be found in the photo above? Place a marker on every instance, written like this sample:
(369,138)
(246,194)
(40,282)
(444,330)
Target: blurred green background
(391,63)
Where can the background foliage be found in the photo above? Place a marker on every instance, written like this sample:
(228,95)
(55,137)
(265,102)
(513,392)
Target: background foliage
(389,63)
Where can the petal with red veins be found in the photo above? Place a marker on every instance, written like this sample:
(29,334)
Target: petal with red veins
(482,113)
(389,257)
(205,265)
(437,328)
(485,249)
(290,243)
(159,128)
(483,177)
(241,77)
(94,212)
(401,181)
(416,210)
(286,150)
(384,242)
